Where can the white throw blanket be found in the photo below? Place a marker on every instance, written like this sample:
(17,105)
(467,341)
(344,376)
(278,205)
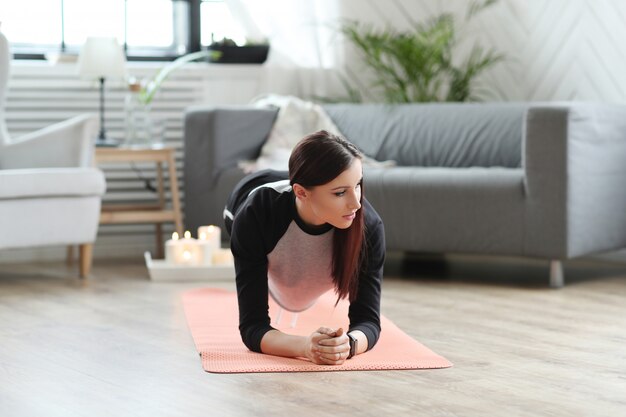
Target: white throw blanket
(296,118)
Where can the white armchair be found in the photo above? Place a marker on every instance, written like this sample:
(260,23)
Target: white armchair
(50,192)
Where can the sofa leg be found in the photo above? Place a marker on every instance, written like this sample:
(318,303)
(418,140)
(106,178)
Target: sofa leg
(556,274)
(85,254)
(69,255)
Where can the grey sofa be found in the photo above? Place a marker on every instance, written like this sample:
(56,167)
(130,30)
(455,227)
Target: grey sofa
(541,181)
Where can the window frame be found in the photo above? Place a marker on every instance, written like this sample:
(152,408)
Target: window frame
(192,43)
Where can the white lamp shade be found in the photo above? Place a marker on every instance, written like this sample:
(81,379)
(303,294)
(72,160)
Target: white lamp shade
(101,58)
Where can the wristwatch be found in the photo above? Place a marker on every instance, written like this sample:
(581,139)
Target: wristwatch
(354,345)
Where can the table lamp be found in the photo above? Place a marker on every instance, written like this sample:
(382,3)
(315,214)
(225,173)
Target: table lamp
(102,58)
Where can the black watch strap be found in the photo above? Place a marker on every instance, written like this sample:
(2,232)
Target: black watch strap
(354,345)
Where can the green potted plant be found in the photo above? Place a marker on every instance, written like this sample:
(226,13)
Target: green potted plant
(231,53)
(418,65)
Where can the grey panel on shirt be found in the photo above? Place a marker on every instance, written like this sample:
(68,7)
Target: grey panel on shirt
(299,268)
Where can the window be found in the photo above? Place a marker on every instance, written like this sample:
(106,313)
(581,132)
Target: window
(149,29)
(25,28)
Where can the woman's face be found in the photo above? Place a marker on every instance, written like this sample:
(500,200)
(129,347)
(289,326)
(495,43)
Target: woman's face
(336,202)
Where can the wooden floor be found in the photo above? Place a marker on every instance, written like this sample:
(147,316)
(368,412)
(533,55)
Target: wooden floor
(117,345)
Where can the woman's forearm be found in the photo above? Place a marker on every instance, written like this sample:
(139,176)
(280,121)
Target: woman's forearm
(278,343)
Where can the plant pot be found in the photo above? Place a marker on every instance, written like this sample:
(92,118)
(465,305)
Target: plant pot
(252,54)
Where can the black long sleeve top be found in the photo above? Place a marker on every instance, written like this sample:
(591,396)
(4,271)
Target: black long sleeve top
(266,233)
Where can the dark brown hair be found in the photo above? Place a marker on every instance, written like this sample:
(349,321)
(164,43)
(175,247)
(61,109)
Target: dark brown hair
(316,160)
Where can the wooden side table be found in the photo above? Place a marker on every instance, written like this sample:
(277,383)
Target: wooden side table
(145,213)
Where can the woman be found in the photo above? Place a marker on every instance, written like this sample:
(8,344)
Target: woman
(297,238)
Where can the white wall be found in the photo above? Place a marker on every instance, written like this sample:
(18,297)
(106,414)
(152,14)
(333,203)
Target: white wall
(556,49)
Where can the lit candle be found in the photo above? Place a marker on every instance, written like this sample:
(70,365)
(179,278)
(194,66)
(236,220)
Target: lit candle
(170,248)
(206,250)
(212,235)
(223,257)
(187,251)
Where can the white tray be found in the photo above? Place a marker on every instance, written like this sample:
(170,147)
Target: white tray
(163,271)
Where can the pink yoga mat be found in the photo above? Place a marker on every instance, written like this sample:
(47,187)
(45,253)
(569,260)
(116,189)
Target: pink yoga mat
(212,316)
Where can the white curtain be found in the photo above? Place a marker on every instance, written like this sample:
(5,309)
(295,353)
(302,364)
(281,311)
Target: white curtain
(305,46)
(301,32)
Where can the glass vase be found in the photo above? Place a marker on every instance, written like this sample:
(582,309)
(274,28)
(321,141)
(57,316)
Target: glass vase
(137,120)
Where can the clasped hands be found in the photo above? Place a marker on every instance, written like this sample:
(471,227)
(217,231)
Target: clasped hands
(326,346)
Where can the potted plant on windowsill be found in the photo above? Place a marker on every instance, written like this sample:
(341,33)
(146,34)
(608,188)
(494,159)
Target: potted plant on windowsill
(231,53)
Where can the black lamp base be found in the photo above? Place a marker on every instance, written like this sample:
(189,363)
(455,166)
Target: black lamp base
(102,141)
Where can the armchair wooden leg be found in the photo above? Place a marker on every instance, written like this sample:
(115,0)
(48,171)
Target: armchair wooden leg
(85,254)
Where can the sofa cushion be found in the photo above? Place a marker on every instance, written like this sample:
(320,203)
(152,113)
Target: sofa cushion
(462,210)
(452,135)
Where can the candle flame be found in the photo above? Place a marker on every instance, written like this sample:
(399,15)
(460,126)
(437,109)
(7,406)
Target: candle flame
(187,234)
(174,236)
(211,228)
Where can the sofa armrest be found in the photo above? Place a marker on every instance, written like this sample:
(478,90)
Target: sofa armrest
(62,145)
(575,168)
(217,138)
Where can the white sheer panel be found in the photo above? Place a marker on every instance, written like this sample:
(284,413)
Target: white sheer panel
(300,31)
(218,23)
